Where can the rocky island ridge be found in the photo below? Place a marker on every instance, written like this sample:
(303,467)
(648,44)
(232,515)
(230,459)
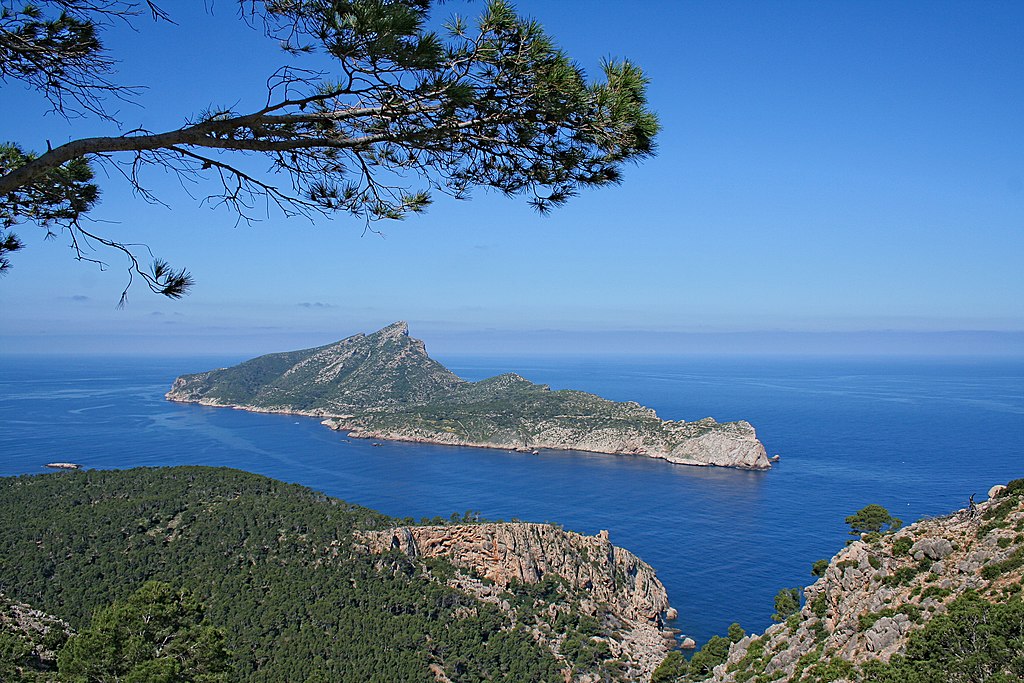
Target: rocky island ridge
(385,386)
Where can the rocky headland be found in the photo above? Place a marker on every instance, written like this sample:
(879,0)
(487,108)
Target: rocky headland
(861,615)
(586,574)
(385,386)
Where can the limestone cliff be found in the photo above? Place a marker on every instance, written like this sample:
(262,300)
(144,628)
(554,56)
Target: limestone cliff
(878,591)
(385,386)
(585,573)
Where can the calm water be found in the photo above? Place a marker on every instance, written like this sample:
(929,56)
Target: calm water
(916,436)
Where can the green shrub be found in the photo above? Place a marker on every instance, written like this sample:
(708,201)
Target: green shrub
(935,592)
(913,612)
(711,655)
(671,669)
(903,575)
(866,621)
(787,602)
(872,519)
(902,545)
(1000,511)
(751,664)
(1014,488)
(975,640)
(832,670)
(819,606)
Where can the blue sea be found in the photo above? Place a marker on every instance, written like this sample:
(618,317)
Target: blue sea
(918,436)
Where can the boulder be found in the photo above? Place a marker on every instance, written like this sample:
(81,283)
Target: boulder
(883,634)
(932,548)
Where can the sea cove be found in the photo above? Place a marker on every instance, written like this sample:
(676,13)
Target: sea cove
(918,436)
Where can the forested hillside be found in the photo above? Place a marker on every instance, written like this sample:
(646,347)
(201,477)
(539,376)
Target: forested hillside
(275,566)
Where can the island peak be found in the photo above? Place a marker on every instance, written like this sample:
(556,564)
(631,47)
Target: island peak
(398,328)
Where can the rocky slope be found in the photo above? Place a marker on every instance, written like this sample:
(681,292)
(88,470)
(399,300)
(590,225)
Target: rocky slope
(29,640)
(385,386)
(595,577)
(880,590)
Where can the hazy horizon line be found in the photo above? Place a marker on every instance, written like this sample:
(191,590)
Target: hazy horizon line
(545,341)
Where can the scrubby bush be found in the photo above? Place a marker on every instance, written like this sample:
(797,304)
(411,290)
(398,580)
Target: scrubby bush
(787,603)
(872,519)
(672,669)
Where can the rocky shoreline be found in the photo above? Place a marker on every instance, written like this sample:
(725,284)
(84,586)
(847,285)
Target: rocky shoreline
(738,449)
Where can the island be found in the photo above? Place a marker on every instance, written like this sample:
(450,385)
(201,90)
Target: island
(384,386)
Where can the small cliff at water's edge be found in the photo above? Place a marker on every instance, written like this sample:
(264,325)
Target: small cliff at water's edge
(385,386)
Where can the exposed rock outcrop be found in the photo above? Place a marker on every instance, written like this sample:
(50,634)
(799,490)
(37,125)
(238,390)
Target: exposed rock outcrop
(600,579)
(385,386)
(38,636)
(879,590)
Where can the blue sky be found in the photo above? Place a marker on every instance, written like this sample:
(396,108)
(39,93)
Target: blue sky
(829,173)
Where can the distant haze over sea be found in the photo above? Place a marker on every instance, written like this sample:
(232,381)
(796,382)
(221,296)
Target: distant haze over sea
(442,338)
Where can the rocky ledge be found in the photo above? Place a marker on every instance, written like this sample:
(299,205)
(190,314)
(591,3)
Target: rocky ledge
(32,639)
(595,577)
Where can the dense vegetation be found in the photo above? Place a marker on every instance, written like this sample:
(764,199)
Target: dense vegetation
(157,635)
(273,563)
